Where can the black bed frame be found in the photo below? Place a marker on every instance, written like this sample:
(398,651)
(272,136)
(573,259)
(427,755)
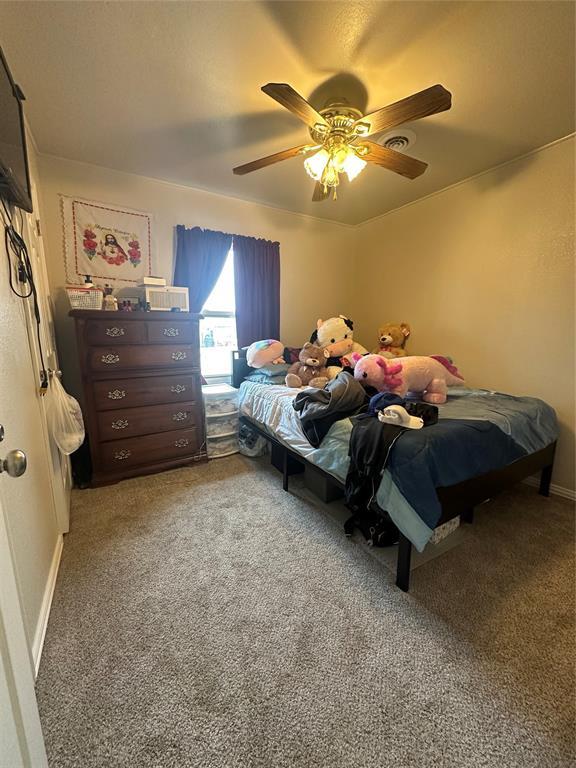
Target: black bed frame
(456,500)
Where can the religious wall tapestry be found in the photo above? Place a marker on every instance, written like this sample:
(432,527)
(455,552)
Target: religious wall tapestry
(107,242)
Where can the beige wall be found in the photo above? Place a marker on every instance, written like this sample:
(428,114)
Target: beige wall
(484,272)
(316,263)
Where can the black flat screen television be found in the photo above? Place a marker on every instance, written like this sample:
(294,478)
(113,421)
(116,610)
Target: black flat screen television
(14,177)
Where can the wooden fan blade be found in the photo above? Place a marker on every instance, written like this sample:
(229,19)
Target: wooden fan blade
(255,165)
(319,193)
(422,104)
(394,161)
(286,95)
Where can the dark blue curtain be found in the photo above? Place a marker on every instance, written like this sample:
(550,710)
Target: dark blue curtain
(257,289)
(200,256)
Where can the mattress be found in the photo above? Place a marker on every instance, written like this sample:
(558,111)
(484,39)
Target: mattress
(530,423)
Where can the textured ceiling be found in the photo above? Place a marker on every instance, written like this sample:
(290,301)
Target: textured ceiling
(171,90)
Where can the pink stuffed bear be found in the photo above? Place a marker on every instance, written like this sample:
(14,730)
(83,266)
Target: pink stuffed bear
(428,375)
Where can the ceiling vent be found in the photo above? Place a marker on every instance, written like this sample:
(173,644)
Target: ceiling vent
(399,140)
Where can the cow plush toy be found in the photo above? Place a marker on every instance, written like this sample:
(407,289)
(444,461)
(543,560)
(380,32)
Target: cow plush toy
(336,335)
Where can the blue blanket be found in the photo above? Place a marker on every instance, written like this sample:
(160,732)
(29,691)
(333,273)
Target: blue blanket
(445,454)
(478,431)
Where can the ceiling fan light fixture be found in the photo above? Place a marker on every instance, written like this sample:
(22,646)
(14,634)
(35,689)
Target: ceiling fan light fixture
(326,165)
(353,165)
(315,164)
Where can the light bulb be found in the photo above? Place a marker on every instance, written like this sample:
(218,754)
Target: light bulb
(316,163)
(339,157)
(353,165)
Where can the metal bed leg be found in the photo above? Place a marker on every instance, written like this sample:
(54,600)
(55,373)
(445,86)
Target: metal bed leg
(403,563)
(545,478)
(285,470)
(467,516)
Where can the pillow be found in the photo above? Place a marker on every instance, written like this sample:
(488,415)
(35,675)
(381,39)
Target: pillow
(263,379)
(280,369)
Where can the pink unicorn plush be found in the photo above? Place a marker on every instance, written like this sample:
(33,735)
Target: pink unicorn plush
(429,376)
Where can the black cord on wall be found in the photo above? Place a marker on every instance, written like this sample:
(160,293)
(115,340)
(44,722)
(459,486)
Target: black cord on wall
(16,250)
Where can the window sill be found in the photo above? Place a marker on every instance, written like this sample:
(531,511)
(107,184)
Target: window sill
(224,378)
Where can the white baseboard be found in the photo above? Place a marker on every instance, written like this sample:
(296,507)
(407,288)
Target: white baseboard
(40,634)
(556,490)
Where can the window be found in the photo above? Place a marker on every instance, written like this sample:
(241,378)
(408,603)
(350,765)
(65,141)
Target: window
(218,328)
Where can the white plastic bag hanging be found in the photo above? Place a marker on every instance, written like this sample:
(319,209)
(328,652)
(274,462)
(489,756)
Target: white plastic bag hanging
(66,422)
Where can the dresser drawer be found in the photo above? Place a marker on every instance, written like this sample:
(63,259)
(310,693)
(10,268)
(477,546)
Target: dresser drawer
(129,422)
(149,449)
(168,333)
(146,390)
(114,332)
(146,356)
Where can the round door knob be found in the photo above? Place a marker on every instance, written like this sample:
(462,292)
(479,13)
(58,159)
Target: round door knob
(14,464)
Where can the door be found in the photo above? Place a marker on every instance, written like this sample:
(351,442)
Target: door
(21,741)
(29,508)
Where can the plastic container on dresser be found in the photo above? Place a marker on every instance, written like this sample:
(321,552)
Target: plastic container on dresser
(143,403)
(221,409)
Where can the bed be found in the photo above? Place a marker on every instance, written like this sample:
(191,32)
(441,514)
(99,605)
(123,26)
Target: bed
(528,424)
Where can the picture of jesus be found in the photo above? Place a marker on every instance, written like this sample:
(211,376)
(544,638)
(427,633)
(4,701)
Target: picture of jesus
(111,250)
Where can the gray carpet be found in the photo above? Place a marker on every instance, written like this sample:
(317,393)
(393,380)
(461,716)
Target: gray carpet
(204,617)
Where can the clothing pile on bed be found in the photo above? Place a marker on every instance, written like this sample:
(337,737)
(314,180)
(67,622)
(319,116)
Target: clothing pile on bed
(318,409)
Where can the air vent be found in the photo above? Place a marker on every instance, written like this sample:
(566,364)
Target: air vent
(397,142)
(400,141)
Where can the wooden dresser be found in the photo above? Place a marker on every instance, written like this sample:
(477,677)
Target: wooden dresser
(142,391)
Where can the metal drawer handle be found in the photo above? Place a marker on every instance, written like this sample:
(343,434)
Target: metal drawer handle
(177,388)
(181,443)
(115,331)
(110,359)
(120,424)
(171,332)
(180,416)
(121,455)
(117,394)
(179,355)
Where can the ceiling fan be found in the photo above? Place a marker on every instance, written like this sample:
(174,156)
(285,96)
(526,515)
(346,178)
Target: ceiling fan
(339,134)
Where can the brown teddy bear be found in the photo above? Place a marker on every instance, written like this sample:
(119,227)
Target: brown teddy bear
(310,370)
(392,340)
